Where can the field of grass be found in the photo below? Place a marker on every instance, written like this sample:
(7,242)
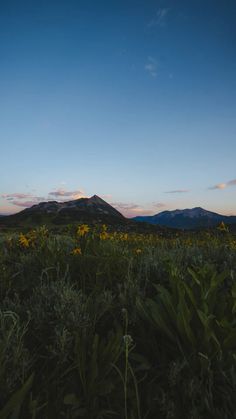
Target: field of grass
(96,324)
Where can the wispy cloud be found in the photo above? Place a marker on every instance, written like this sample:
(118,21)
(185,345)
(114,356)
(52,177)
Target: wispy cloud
(26,200)
(131,209)
(151,66)
(16,195)
(178,191)
(160,18)
(28,204)
(61,193)
(224,185)
(125,206)
(22,199)
(158,204)
(107,197)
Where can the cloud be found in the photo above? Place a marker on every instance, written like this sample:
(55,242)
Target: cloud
(61,193)
(28,204)
(16,195)
(26,200)
(151,66)
(224,185)
(218,186)
(159,19)
(130,209)
(22,199)
(158,204)
(107,197)
(178,191)
(125,206)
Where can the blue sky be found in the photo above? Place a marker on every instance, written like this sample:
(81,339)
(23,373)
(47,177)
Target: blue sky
(134,101)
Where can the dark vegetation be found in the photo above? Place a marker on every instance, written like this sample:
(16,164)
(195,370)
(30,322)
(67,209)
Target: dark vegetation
(103,324)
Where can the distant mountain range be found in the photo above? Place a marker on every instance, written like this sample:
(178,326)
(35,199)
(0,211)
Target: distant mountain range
(187,218)
(96,210)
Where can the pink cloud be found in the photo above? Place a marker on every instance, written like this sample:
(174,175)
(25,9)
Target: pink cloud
(131,210)
(28,204)
(15,196)
(60,193)
(224,185)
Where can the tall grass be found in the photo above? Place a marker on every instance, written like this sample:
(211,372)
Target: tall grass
(102,324)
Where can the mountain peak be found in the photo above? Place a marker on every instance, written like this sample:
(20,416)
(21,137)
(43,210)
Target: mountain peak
(94,208)
(97,200)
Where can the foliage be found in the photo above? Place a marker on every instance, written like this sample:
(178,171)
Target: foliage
(100,324)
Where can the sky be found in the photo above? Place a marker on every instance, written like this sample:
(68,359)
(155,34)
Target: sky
(132,100)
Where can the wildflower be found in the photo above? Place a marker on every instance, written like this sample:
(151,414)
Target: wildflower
(233,244)
(104,227)
(104,235)
(222,227)
(138,251)
(82,230)
(76,251)
(24,241)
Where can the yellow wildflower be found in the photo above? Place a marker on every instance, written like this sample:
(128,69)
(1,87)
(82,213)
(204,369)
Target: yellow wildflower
(233,244)
(138,251)
(104,235)
(222,227)
(104,227)
(24,241)
(76,251)
(82,230)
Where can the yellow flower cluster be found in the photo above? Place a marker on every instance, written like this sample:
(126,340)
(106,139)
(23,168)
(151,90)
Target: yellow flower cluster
(104,235)
(76,251)
(222,227)
(24,242)
(83,230)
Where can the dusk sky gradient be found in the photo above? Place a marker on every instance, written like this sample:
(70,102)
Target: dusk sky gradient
(134,101)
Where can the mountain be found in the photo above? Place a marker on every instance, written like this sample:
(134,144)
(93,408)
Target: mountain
(187,218)
(96,210)
(83,209)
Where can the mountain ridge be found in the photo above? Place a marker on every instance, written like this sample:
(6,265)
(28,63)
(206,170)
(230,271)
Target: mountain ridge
(95,209)
(188,218)
(82,209)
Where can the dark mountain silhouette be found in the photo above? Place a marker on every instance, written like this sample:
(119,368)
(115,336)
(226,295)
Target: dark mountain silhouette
(96,210)
(92,210)
(187,218)
(83,209)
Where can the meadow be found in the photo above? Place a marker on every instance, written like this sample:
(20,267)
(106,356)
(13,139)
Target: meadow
(100,324)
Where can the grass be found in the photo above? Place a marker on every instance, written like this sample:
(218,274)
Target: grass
(97,324)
